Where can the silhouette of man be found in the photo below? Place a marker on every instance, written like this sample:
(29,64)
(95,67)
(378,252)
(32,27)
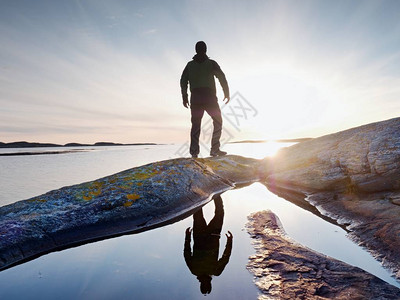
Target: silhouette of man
(204,262)
(199,73)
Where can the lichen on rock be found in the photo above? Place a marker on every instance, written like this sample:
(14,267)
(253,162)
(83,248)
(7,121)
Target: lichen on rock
(133,200)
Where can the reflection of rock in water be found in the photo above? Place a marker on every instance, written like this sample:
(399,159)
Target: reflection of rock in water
(352,177)
(130,201)
(286,270)
(203,262)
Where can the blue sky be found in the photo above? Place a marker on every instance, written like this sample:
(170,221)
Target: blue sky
(98,70)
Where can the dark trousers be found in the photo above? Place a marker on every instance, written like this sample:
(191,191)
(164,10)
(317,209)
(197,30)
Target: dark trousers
(206,237)
(198,106)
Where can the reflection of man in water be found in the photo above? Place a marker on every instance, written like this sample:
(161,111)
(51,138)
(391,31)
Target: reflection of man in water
(204,262)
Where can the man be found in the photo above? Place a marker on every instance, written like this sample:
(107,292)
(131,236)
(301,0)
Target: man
(199,73)
(203,262)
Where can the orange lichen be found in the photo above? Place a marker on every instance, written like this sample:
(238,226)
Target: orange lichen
(94,190)
(87,198)
(125,186)
(173,172)
(145,174)
(132,197)
(38,200)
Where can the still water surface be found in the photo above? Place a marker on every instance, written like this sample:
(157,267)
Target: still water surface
(151,265)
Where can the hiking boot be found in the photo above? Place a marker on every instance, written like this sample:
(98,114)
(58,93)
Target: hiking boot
(194,155)
(218,153)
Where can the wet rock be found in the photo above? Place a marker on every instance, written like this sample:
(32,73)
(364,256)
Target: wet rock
(352,177)
(130,201)
(284,269)
(373,221)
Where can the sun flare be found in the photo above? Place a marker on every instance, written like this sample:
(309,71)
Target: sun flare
(288,101)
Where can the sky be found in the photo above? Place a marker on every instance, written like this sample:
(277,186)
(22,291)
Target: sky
(95,70)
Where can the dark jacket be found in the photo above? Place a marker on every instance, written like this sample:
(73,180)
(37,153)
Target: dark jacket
(199,73)
(204,259)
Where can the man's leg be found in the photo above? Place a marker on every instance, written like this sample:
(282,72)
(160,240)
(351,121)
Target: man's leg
(197,115)
(215,113)
(215,225)
(199,223)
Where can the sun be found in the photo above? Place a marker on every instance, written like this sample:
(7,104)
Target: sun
(287,101)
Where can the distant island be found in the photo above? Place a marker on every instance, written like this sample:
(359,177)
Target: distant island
(24,144)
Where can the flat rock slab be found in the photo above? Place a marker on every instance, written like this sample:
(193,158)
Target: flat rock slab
(352,177)
(285,269)
(130,201)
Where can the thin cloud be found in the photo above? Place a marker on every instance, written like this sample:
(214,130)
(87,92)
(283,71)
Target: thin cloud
(68,71)
(150,31)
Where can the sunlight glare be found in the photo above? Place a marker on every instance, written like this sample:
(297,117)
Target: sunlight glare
(288,100)
(259,150)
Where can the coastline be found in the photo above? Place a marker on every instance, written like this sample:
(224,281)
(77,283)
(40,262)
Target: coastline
(43,152)
(23,144)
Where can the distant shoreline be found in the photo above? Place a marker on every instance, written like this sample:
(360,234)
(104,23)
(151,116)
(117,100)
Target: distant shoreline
(41,152)
(298,140)
(44,145)
(24,144)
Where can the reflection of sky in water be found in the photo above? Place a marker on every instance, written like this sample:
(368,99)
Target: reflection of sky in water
(150,265)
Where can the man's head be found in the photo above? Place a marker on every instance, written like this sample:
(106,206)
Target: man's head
(201,47)
(205,284)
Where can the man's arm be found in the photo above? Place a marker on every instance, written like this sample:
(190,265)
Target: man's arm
(187,251)
(223,261)
(222,80)
(184,87)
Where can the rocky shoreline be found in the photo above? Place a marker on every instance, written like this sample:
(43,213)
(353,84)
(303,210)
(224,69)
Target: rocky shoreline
(284,269)
(353,178)
(350,178)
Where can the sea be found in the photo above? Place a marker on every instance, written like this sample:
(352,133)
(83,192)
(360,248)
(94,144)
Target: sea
(151,264)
